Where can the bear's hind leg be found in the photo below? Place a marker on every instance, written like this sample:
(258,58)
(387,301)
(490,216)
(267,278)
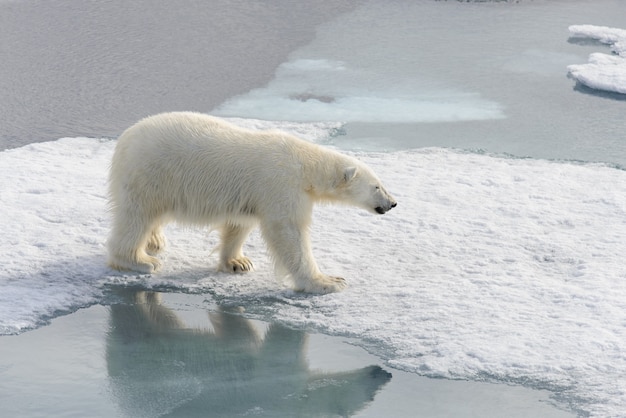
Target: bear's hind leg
(156,243)
(127,245)
(232,259)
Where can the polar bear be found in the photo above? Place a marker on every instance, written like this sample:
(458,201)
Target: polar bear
(198,169)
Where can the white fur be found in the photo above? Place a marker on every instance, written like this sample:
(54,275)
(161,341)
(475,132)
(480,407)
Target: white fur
(198,169)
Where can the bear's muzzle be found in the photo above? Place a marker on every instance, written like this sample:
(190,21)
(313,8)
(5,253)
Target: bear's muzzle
(383,210)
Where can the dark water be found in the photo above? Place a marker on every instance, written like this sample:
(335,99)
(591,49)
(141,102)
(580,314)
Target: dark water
(91,68)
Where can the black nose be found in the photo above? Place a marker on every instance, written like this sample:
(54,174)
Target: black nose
(394,205)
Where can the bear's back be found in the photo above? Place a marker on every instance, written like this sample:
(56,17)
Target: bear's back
(191,159)
(188,134)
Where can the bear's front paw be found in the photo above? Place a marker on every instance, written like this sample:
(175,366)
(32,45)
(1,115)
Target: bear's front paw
(325,284)
(237,265)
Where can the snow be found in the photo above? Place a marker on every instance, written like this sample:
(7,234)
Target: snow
(603,72)
(489,269)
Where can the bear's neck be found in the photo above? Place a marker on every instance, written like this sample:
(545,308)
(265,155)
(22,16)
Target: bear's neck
(323,173)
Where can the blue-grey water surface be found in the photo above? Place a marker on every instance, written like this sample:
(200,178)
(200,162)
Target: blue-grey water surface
(73,68)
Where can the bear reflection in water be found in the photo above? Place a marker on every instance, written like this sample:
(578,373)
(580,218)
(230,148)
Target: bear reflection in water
(158,367)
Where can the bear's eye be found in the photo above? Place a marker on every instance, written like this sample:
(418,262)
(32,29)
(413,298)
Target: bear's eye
(377,187)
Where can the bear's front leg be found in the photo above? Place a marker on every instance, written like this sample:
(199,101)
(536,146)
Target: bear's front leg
(290,246)
(322,283)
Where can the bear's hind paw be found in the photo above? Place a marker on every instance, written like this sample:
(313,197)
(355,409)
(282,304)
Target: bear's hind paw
(147,265)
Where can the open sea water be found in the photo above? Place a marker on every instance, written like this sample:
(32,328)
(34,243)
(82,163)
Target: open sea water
(485,78)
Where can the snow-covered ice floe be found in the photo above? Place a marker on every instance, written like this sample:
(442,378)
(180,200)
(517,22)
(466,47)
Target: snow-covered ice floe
(603,71)
(489,269)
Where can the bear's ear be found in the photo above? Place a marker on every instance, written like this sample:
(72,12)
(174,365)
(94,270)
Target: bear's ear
(349,174)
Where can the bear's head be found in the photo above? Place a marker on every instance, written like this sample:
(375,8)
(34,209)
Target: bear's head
(360,187)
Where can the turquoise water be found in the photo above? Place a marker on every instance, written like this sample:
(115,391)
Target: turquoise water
(170,355)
